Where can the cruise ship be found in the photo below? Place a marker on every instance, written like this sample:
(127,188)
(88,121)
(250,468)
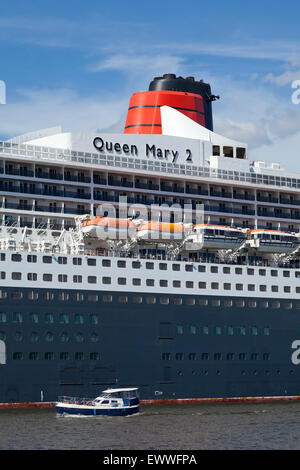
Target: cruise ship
(161,258)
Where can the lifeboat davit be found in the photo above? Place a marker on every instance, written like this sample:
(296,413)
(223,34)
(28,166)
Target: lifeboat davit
(272,241)
(220,237)
(108,228)
(160,231)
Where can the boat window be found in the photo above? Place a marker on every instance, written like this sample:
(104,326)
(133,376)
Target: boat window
(226,270)
(213,269)
(163,266)
(216,149)
(274,272)
(227,286)
(121,264)
(149,265)
(176,283)
(228,151)
(106,263)
(91,262)
(240,152)
(176,267)
(274,288)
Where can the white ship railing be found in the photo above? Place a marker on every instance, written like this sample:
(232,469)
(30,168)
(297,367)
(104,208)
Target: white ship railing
(86,158)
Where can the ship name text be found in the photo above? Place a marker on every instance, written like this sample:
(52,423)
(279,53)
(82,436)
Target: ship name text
(150,151)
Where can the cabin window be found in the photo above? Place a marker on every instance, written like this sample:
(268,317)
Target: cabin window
(106,263)
(176,267)
(274,272)
(252,303)
(276,304)
(227,286)
(176,283)
(226,270)
(177,301)
(251,287)
(263,288)
(215,302)
(137,299)
(92,279)
(286,274)
(240,152)
(149,265)
(91,262)
(16,276)
(190,301)
(121,264)
(62,260)
(150,300)
(189,284)
(250,271)
(47,259)
(164,300)
(216,149)
(106,280)
(163,266)
(136,282)
(201,268)
(150,282)
(122,281)
(77,261)
(213,269)
(239,286)
(189,267)
(274,288)
(286,289)
(203,302)
(61,277)
(107,298)
(16,257)
(31,258)
(262,272)
(215,285)
(228,151)
(77,279)
(47,277)
(227,302)
(240,303)
(264,304)
(136,264)
(163,283)
(123,299)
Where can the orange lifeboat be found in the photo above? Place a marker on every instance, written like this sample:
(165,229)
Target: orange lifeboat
(160,231)
(106,228)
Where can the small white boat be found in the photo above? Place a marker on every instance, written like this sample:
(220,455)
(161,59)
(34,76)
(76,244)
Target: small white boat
(112,402)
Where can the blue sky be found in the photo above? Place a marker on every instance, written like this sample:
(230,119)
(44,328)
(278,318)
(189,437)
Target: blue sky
(76,64)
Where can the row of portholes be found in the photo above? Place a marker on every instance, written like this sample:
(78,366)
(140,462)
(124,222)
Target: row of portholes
(243,372)
(64,337)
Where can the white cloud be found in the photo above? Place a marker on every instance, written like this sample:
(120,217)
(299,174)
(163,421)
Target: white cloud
(283,79)
(39,109)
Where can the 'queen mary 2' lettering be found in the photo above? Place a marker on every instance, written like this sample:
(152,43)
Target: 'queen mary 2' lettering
(151,151)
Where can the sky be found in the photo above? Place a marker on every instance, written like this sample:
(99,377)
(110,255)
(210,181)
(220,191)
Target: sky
(76,64)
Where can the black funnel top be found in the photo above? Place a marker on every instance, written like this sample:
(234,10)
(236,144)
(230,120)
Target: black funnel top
(170,82)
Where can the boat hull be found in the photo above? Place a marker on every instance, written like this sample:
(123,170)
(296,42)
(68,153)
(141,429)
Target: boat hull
(62,409)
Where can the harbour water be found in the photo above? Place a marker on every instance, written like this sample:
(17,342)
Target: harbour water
(222,426)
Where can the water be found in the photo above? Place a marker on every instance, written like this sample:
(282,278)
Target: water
(222,426)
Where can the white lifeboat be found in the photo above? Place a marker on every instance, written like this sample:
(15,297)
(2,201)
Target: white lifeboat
(272,241)
(218,237)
